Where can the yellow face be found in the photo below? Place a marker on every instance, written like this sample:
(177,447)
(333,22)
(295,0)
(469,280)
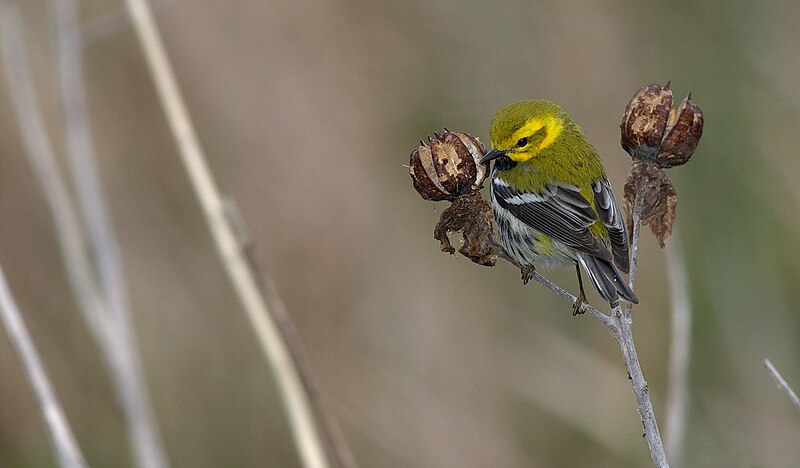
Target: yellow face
(531,138)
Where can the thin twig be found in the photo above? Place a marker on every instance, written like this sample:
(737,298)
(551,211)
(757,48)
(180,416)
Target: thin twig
(302,421)
(66,447)
(119,343)
(679,351)
(108,25)
(339,449)
(640,389)
(624,323)
(25,103)
(605,319)
(103,326)
(636,228)
(620,327)
(782,384)
(337,446)
(558,290)
(620,324)
(39,151)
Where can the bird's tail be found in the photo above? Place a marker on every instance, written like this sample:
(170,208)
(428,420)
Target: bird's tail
(606,279)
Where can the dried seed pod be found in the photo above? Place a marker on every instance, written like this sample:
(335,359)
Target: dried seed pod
(659,198)
(652,130)
(657,137)
(645,121)
(448,166)
(682,135)
(472,215)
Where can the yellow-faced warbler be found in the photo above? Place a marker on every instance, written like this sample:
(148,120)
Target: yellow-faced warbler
(552,202)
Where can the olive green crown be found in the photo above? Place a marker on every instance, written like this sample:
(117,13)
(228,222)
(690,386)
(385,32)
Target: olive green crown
(514,116)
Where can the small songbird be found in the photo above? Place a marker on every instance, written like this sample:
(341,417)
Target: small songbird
(552,202)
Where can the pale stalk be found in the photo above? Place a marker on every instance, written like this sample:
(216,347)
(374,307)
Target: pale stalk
(335,442)
(66,446)
(782,383)
(40,152)
(620,324)
(623,332)
(119,342)
(233,256)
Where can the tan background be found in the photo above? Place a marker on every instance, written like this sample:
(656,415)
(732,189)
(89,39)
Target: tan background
(308,111)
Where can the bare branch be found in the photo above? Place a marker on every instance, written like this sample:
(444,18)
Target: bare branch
(339,449)
(334,439)
(640,389)
(109,329)
(301,418)
(558,290)
(620,324)
(624,323)
(782,384)
(66,447)
(637,229)
(118,343)
(108,25)
(25,103)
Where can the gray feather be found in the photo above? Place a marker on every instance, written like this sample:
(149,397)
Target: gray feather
(611,215)
(607,280)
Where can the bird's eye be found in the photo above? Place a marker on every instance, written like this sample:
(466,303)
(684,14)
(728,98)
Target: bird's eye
(522,142)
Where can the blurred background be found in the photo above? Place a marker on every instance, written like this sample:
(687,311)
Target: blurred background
(308,112)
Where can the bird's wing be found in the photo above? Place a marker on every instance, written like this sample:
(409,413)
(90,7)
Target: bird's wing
(607,207)
(559,211)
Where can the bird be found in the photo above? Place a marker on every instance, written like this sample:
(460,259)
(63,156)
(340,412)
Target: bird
(552,202)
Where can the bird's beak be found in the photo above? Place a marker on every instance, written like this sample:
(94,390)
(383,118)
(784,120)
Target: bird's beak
(493,153)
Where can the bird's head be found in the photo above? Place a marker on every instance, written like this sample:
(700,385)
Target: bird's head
(523,129)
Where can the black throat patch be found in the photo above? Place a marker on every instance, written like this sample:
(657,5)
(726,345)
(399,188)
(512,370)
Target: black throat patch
(504,163)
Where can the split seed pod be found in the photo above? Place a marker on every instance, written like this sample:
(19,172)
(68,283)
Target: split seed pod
(657,137)
(653,130)
(684,129)
(448,166)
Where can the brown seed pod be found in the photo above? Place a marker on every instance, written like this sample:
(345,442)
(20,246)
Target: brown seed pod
(682,135)
(652,130)
(448,166)
(645,121)
(659,198)
(472,215)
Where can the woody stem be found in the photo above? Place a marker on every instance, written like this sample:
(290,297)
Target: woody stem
(622,329)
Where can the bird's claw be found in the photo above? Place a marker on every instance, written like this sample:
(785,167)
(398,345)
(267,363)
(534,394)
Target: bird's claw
(527,273)
(579,306)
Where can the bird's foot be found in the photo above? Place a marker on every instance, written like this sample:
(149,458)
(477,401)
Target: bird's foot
(527,273)
(579,306)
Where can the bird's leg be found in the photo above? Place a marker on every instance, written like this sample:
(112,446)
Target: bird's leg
(527,273)
(580,301)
